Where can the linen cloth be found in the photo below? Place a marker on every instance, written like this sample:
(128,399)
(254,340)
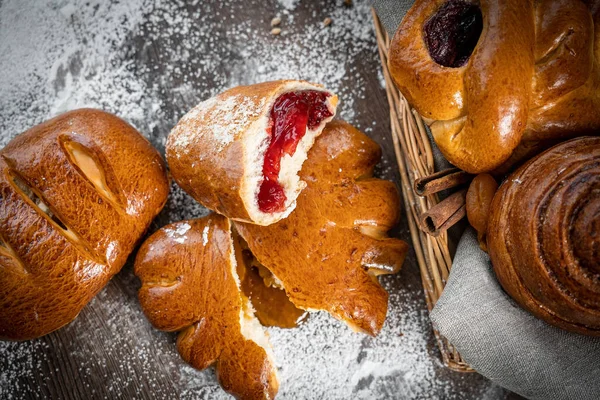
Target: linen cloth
(494,335)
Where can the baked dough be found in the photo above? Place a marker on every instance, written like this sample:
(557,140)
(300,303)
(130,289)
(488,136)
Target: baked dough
(77,193)
(328,252)
(190,284)
(532,78)
(239,153)
(543,235)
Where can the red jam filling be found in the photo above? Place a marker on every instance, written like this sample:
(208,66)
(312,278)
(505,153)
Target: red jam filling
(291,115)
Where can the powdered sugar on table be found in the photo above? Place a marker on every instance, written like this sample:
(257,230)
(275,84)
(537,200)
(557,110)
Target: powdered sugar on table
(151,61)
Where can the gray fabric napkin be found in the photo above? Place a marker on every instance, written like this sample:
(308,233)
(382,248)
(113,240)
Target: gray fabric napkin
(507,344)
(496,337)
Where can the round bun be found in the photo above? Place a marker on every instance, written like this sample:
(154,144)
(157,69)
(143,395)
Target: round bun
(216,151)
(78,192)
(543,235)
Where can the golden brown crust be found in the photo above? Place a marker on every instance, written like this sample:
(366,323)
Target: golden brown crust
(566,85)
(188,285)
(51,267)
(334,242)
(205,150)
(518,85)
(435,91)
(479,198)
(488,98)
(272,307)
(544,235)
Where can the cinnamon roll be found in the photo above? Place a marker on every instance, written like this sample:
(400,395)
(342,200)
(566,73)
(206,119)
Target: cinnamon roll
(543,235)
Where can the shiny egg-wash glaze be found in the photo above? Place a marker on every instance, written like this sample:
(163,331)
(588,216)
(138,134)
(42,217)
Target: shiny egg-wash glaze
(77,193)
(543,235)
(533,79)
(335,240)
(190,284)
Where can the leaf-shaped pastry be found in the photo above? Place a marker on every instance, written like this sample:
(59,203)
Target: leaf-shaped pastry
(328,252)
(190,284)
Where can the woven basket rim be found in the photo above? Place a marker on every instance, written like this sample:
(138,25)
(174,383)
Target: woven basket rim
(415,160)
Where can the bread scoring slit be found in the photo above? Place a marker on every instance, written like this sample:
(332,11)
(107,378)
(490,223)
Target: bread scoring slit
(39,203)
(164,282)
(7,251)
(29,194)
(87,164)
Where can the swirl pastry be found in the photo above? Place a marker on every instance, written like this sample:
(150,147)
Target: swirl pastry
(77,193)
(543,235)
(337,233)
(496,74)
(191,284)
(240,152)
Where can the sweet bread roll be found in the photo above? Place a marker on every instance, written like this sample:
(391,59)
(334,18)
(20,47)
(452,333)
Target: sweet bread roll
(190,284)
(239,153)
(77,194)
(328,252)
(478,201)
(495,74)
(544,235)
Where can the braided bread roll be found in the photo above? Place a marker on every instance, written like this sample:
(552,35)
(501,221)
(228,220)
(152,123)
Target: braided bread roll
(500,76)
(544,235)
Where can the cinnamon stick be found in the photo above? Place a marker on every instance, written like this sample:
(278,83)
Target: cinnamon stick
(445,214)
(441,180)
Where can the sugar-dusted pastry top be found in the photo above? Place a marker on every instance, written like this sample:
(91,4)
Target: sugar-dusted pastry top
(328,252)
(78,192)
(239,152)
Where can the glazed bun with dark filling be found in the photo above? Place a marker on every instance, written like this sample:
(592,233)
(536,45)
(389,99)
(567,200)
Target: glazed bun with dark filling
(501,79)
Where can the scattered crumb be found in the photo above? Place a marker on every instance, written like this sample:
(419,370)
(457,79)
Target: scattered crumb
(327,21)
(275,31)
(289,5)
(276,21)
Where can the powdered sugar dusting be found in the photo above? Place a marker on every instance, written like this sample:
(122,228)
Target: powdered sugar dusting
(178,232)
(180,206)
(289,5)
(150,61)
(229,116)
(205,235)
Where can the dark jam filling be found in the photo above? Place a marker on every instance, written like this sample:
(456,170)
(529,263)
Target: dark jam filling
(452,33)
(292,114)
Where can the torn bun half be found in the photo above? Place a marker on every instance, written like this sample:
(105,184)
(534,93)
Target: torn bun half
(328,253)
(240,153)
(190,284)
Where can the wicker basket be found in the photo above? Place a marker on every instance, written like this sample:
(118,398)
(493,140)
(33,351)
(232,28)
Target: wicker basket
(415,161)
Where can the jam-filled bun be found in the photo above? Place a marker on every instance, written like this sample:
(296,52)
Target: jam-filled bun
(239,153)
(503,79)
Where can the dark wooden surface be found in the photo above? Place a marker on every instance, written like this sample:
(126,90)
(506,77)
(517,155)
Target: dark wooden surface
(169,56)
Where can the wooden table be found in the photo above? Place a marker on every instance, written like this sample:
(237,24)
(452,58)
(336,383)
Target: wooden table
(149,62)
